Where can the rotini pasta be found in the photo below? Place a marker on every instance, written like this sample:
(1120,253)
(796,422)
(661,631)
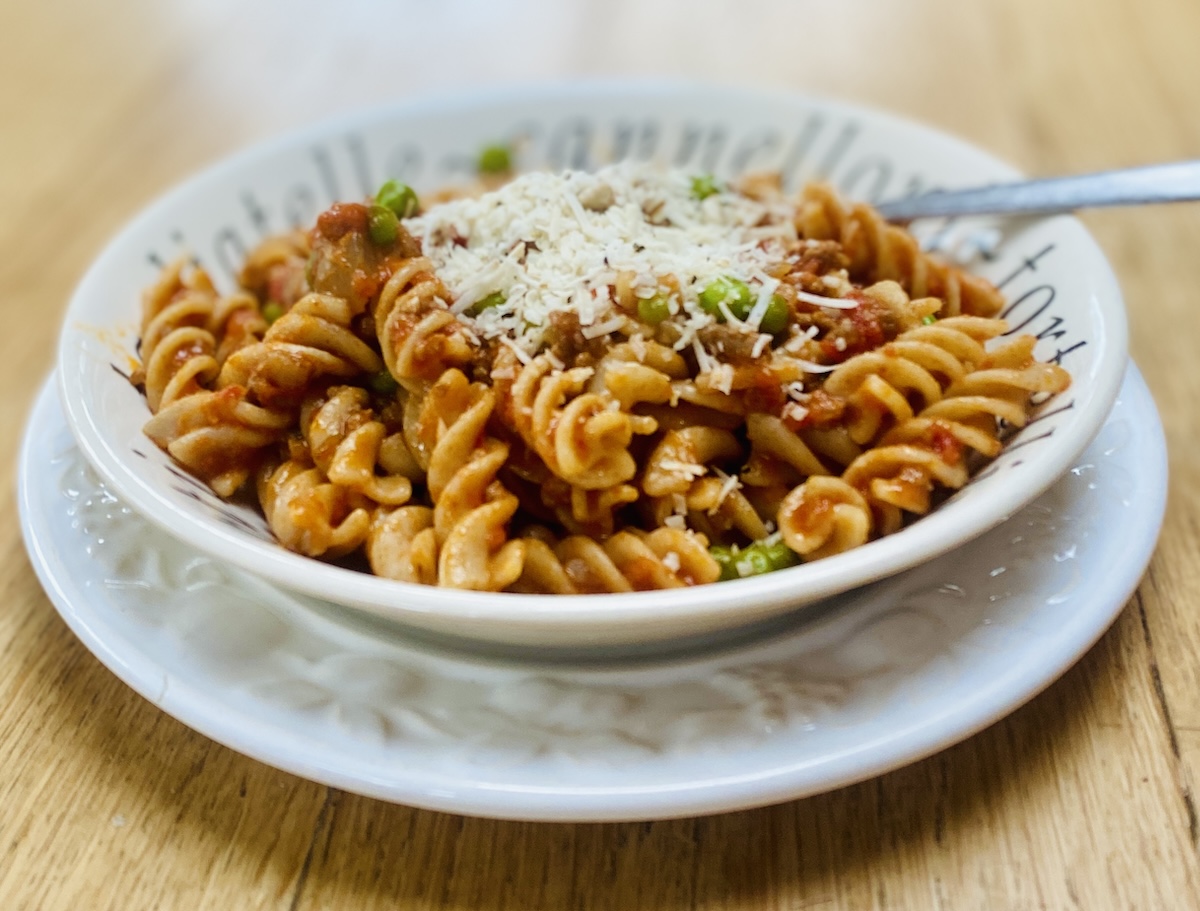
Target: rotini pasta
(582,437)
(310,514)
(471,507)
(877,251)
(584,383)
(312,342)
(349,446)
(217,435)
(625,561)
(963,393)
(419,336)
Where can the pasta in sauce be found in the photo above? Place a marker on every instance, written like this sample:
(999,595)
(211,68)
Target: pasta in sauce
(625,380)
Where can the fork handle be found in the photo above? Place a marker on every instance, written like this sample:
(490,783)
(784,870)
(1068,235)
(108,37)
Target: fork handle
(1175,182)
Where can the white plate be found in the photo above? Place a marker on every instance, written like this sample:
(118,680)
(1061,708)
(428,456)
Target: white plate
(1058,283)
(874,679)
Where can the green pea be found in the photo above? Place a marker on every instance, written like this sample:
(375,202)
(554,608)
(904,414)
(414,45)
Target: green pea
(929,320)
(495,159)
(704,186)
(725,557)
(495,299)
(752,562)
(399,197)
(272,310)
(653,310)
(776,318)
(383,225)
(733,292)
(383,383)
(777,555)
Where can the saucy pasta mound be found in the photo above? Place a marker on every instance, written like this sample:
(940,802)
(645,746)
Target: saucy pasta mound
(586,382)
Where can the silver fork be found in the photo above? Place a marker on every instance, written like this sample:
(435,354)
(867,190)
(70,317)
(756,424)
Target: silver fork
(1175,182)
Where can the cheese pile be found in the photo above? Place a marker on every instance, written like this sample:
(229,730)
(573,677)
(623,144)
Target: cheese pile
(548,242)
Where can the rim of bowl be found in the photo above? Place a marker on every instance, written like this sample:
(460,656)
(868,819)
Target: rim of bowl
(935,534)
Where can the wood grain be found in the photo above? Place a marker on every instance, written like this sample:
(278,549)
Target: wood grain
(1085,798)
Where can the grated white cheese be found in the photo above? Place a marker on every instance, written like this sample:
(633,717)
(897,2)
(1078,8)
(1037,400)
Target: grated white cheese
(766,291)
(535,242)
(703,361)
(690,468)
(836,303)
(721,378)
(675,521)
(523,356)
(731,483)
(671,561)
(795,411)
(605,328)
(723,306)
(812,367)
(795,344)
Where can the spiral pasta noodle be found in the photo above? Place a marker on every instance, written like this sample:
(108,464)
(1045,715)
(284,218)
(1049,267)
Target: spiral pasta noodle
(583,437)
(965,401)
(275,269)
(626,561)
(321,496)
(679,480)
(347,444)
(471,507)
(308,513)
(312,341)
(421,339)
(218,436)
(402,545)
(177,343)
(582,510)
(881,386)
(878,251)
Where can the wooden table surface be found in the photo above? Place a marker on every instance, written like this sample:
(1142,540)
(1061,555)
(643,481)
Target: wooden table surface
(1084,798)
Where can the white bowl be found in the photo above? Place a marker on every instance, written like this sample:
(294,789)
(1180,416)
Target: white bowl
(1057,281)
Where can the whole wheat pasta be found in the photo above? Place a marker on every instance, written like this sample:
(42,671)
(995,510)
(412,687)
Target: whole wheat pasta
(628,379)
